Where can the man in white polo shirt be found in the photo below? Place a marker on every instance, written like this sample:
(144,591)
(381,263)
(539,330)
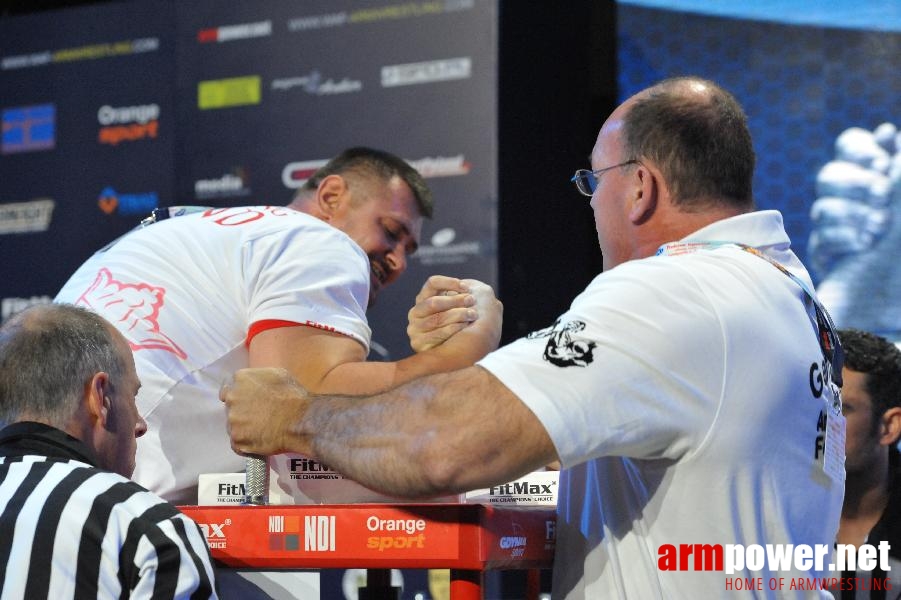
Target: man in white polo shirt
(201,295)
(690,393)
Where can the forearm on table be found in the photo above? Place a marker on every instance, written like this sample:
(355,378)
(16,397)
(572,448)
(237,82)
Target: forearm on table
(372,377)
(426,437)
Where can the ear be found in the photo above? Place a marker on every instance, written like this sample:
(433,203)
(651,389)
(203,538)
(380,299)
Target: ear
(97,398)
(645,194)
(330,194)
(890,430)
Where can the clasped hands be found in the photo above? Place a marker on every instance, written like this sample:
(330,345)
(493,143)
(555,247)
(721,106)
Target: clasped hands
(456,316)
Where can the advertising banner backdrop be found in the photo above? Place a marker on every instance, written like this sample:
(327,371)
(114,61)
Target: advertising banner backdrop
(88,123)
(116,109)
(819,82)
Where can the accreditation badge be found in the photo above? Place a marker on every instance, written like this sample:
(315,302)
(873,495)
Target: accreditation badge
(831,443)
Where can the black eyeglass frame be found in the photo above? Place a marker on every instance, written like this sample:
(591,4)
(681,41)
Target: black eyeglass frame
(581,178)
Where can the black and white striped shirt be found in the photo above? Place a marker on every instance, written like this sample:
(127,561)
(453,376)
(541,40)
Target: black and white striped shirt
(71,530)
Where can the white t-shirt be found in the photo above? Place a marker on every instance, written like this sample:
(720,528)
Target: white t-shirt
(188,293)
(681,393)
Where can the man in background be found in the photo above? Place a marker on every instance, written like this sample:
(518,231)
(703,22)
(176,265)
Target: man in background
(871,402)
(71,522)
(684,392)
(202,295)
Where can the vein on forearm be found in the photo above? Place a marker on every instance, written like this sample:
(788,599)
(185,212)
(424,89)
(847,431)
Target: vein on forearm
(425,438)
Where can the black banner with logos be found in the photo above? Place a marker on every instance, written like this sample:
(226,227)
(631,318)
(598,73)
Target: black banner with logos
(111,110)
(87,106)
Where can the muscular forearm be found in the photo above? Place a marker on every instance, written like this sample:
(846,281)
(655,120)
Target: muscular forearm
(367,378)
(426,437)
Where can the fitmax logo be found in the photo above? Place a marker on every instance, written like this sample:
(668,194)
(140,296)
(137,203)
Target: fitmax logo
(308,465)
(520,488)
(215,533)
(232,489)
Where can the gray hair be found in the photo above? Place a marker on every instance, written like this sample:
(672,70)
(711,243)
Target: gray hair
(48,354)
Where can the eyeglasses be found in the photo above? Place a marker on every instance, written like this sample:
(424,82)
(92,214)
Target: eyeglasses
(587,181)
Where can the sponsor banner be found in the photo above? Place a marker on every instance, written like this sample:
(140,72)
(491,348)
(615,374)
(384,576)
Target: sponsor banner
(295,174)
(427,72)
(404,10)
(90,52)
(145,118)
(28,128)
(229,33)
(535,490)
(26,217)
(317,85)
(112,202)
(370,535)
(223,93)
(127,123)
(220,488)
(229,185)
(296,479)
(441,166)
(444,249)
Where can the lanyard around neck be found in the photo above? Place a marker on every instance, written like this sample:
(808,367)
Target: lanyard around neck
(826,334)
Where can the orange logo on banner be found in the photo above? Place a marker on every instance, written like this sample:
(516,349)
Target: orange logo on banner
(108,204)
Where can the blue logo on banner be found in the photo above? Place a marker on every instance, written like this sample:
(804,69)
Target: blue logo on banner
(111,202)
(28,128)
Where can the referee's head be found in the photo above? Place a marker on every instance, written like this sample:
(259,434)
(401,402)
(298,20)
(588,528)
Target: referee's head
(69,368)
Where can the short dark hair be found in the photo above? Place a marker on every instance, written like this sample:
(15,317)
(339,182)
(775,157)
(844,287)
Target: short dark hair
(700,142)
(379,163)
(48,353)
(880,361)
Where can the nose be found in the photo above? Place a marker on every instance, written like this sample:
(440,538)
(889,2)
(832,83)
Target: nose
(397,261)
(140,427)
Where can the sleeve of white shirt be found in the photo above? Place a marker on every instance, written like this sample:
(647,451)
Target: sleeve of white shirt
(314,276)
(630,370)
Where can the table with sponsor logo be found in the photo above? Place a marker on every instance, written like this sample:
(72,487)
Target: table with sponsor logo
(468,539)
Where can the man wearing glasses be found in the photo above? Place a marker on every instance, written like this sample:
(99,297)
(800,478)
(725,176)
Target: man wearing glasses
(690,392)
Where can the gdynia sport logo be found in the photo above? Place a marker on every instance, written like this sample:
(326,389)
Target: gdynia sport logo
(771,559)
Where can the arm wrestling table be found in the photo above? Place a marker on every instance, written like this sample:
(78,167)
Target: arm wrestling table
(468,539)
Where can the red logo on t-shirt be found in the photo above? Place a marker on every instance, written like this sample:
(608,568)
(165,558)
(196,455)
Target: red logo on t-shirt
(133,308)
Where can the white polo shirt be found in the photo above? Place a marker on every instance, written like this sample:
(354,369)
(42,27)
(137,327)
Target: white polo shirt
(682,395)
(188,293)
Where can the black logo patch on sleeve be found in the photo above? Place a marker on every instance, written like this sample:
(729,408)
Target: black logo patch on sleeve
(563,348)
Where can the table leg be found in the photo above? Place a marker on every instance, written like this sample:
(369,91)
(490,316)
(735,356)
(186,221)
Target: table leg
(533,584)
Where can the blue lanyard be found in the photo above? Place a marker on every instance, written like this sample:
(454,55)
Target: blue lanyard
(826,334)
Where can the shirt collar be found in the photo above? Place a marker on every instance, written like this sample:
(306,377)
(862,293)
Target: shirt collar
(30,438)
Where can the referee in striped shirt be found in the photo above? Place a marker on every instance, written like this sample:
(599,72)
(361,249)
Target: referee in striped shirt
(72,525)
